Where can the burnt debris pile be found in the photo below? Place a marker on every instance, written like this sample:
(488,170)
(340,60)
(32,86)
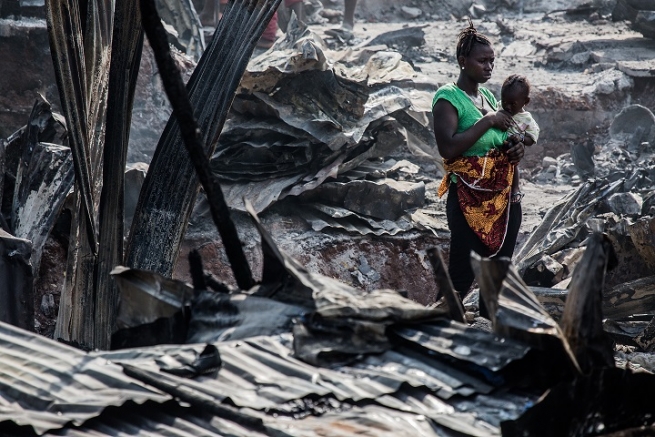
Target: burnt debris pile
(301,353)
(614,196)
(342,141)
(330,131)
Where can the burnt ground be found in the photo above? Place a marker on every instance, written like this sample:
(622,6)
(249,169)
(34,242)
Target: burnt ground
(579,66)
(566,101)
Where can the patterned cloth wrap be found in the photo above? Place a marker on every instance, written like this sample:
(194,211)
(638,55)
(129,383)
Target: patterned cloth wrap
(484,187)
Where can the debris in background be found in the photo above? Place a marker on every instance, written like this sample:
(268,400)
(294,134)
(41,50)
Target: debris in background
(183,26)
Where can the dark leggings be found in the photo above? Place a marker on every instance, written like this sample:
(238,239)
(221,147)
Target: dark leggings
(463,240)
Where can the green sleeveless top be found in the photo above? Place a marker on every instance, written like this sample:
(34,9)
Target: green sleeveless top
(468,115)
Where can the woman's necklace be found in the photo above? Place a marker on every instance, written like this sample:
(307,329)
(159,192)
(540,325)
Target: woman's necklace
(477,100)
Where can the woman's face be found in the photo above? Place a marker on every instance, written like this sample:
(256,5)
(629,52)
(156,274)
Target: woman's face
(479,64)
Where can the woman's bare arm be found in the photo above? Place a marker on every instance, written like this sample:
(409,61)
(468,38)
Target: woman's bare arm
(452,144)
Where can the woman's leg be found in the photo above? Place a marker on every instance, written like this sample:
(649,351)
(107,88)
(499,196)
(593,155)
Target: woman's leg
(297,7)
(462,241)
(349,14)
(515,218)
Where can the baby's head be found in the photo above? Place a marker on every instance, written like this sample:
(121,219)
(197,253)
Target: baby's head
(515,93)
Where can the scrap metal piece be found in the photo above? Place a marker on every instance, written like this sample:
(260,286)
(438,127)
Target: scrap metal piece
(321,216)
(446,288)
(463,343)
(218,317)
(147,296)
(582,321)
(408,37)
(564,221)
(514,309)
(44,177)
(183,26)
(31,362)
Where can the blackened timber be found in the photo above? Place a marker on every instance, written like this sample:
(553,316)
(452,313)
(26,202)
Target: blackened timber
(215,284)
(127,44)
(168,194)
(446,288)
(196,270)
(183,111)
(67,48)
(582,321)
(16,282)
(80,43)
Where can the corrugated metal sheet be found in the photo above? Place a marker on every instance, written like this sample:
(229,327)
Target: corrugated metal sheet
(465,344)
(261,372)
(411,390)
(45,384)
(150,419)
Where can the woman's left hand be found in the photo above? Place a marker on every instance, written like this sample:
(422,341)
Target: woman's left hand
(515,152)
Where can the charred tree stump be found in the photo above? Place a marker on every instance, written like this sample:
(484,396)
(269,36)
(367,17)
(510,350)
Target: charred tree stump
(455,307)
(582,321)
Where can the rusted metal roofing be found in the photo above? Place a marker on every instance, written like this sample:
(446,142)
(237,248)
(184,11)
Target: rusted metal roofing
(413,389)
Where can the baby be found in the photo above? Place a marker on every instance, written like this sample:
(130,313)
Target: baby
(514,96)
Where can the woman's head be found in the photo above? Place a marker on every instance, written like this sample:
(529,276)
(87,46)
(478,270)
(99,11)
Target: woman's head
(515,93)
(475,55)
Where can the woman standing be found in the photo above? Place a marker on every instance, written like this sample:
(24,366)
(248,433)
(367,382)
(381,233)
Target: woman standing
(471,138)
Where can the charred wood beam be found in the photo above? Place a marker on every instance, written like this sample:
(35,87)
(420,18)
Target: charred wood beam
(197,271)
(80,44)
(67,49)
(127,45)
(169,191)
(215,284)
(183,111)
(455,307)
(16,282)
(582,321)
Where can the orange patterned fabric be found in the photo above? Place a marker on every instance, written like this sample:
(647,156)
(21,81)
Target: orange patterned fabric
(484,187)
